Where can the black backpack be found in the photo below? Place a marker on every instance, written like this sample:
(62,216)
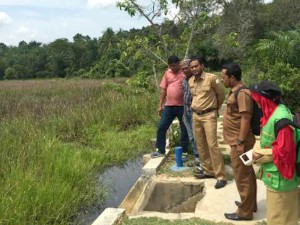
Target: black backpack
(256,116)
(296,124)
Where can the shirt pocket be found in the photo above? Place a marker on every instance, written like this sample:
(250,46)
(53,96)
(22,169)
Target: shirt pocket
(205,88)
(192,88)
(229,108)
(271,175)
(232,107)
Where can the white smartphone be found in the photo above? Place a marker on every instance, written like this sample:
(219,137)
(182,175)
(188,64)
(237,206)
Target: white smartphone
(247,158)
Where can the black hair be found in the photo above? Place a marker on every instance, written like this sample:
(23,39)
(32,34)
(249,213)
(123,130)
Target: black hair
(200,59)
(173,59)
(234,70)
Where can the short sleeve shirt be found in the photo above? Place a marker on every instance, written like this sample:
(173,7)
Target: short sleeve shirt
(207,92)
(232,115)
(172,83)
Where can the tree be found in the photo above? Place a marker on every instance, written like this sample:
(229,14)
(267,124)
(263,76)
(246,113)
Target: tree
(198,17)
(85,53)
(277,58)
(60,56)
(238,28)
(280,15)
(165,39)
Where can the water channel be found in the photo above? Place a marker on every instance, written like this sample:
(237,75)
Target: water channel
(117,181)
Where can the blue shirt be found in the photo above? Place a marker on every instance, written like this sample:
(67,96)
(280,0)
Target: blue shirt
(187,97)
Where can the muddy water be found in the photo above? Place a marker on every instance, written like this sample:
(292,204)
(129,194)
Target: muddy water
(117,181)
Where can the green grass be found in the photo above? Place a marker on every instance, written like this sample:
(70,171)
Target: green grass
(54,136)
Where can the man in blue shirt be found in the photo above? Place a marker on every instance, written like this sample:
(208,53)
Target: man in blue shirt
(188,114)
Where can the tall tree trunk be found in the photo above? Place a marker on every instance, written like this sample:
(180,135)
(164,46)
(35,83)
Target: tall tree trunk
(189,41)
(155,74)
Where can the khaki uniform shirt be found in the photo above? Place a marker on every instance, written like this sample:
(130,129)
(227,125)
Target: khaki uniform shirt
(207,91)
(232,116)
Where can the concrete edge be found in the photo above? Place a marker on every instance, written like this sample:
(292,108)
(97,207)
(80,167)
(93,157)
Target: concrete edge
(110,216)
(153,165)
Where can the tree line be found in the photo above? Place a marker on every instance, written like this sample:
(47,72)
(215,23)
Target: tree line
(263,37)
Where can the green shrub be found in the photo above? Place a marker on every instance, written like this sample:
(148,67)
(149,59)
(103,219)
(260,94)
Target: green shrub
(288,79)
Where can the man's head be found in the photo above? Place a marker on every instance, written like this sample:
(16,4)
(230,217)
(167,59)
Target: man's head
(197,65)
(185,66)
(174,63)
(231,73)
(268,90)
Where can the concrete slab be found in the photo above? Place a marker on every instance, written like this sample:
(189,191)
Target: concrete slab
(110,216)
(216,202)
(153,165)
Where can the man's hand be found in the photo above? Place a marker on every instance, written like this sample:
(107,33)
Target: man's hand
(256,155)
(240,149)
(159,110)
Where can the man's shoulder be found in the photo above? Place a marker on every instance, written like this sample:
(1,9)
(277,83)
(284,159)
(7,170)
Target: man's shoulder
(212,79)
(167,72)
(242,91)
(245,91)
(210,75)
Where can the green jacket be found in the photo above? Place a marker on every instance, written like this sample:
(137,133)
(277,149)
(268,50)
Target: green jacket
(269,172)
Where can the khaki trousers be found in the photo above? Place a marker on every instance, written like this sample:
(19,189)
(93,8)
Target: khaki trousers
(205,134)
(245,181)
(282,207)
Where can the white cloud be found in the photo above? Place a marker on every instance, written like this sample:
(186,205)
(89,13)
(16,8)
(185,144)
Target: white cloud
(27,32)
(45,21)
(100,3)
(173,11)
(22,33)
(42,3)
(4,18)
(30,13)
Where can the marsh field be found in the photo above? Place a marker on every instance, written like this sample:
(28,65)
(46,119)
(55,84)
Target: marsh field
(56,134)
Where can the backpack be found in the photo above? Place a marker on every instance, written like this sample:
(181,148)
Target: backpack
(256,116)
(296,124)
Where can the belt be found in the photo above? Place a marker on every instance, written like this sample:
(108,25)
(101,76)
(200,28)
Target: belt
(204,111)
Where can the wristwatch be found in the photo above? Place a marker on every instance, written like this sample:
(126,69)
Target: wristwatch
(239,142)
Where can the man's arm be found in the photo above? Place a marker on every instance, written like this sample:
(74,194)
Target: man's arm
(245,125)
(244,103)
(162,99)
(244,129)
(218,88)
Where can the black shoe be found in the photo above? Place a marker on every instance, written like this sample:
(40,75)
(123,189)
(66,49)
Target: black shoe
(203,176)
(234,216)
(238,203)
(220,184)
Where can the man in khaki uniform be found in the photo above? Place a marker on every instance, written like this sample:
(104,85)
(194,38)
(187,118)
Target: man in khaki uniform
(208,96)
(238,134)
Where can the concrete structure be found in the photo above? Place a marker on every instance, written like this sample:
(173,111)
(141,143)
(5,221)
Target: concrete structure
(182,197)
(110,216)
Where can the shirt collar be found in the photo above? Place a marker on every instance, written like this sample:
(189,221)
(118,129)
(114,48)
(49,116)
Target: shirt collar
(170,71)
(234,89)
(202,76)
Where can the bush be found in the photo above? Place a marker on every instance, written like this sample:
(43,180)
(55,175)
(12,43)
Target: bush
(288,79)
(140,83)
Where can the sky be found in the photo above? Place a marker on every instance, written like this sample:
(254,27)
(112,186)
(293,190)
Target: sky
(47,20)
